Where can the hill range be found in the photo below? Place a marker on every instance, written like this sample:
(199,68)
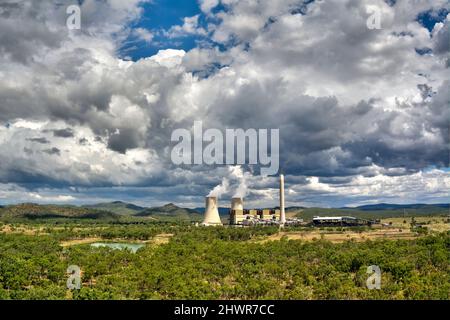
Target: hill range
(36,211)
(118,209)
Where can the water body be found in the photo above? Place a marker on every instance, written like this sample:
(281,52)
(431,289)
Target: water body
(119,245)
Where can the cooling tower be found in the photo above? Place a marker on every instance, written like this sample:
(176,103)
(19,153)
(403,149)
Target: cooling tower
(237,204)
(212,217)
(282,213)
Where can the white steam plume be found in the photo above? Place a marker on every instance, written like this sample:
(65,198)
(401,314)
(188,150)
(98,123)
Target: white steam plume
(237,173)
(220,189)
(239,180)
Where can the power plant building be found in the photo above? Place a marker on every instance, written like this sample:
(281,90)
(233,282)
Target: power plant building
(341,221)
(254,216)
(247,217)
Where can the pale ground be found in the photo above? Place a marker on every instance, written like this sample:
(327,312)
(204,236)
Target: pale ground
(398,230)
(293,214)
(438,224)
(162,238)
(32,230)
(8,229)
(28,230)
(73,242)
(336,237)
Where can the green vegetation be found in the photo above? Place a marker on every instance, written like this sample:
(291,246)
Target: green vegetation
(181,261)
(33,211)
(117,207)
(111,212)
(216,263)
(170,211)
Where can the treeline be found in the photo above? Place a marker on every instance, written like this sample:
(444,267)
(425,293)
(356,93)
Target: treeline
(230,234)
(32,211)
(80,230)
(142,231)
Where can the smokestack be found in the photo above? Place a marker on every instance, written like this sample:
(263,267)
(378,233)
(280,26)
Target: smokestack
(212,217)
(282,213)
(237,204)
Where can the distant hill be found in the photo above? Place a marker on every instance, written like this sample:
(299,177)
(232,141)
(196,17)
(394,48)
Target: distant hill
(222,211)
(293,208)
(387,206)
(36,211)
(170,211)
(112,210)
(378,211)
(117,207)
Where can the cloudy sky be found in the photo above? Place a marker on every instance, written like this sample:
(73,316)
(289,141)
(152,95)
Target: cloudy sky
(86,115)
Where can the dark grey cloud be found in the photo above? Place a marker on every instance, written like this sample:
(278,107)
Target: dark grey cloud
(39,140)
(8,7)
(63,133)
(52,151)
(125,139)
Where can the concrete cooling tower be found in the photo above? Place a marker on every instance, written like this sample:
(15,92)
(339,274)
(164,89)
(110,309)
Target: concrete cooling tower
(212,217)
(237,204)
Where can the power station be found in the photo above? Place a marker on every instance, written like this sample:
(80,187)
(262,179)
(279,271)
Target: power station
(239,216)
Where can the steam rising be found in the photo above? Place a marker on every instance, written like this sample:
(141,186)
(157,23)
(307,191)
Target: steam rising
(220,189)
(239,183)
(238,174)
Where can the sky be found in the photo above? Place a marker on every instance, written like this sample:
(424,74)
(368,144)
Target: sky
(86,115)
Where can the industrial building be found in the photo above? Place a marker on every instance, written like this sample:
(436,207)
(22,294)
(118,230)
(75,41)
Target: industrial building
(254,216)
(251,217)
(340,221)
(239,216)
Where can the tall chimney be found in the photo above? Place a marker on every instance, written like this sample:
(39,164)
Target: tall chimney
(282,213)
(212,217)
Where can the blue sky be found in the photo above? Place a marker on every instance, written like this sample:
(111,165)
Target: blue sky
(160,15)
(429,18)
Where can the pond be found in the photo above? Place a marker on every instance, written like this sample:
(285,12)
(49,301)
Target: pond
(119,245)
